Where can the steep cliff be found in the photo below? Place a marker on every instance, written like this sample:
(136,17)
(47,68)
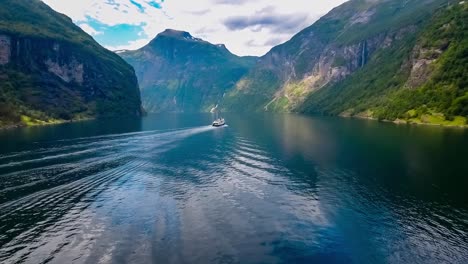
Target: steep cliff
(51,70)
(351,60)
(180,73)
(421,77)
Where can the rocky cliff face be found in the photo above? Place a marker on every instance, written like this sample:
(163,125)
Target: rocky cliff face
(55,71)
(180,73)
(421,61)
(338,61)
(418,75)
(5,49)
(338,45)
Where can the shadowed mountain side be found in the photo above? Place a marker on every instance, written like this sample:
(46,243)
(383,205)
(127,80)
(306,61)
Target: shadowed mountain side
(180,73)
(52,71)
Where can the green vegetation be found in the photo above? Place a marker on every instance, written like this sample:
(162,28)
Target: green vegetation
(339,62)
(178,73)
(374,44)
(89,81)
(438,119)
(353,24)
(382,87)
(446,91)
(365,88)
(396,60)
(244,99)
(34,19)
(391,15)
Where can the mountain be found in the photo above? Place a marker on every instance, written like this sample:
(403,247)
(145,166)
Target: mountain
(180,73)
(51,70)
(386,59)
(422,78)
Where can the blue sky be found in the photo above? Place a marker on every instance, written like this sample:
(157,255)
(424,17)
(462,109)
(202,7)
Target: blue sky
(115,35)
(247,27)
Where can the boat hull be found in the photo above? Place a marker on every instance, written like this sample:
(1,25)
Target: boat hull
(219,122)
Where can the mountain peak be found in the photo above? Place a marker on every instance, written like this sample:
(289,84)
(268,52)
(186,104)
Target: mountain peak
(172,33)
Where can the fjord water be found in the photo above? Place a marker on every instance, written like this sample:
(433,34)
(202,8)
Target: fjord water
(266,189)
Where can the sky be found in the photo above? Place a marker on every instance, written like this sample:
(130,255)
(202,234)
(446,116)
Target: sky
(246,27)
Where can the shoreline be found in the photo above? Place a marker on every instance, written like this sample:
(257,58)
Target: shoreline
(396,122)
(405,122)
(56,122)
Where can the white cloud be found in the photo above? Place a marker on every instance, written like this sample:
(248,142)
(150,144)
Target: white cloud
(132,45)
(90,30)
(109,12)
(202,18)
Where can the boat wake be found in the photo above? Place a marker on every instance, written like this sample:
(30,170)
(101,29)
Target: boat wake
(69,160)
(61,178)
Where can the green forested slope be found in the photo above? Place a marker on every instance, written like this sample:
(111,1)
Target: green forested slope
(337,46)
(385,59)
(51,70)
(180,73)
(421,79)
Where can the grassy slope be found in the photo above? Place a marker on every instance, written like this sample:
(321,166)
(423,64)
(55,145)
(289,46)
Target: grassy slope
(443,98)
(378,90)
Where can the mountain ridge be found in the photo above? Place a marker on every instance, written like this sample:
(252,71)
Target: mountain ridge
(403,83)
(180,73)
(301,74)
(400,60)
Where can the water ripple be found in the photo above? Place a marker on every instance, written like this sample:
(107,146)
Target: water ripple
(209,195)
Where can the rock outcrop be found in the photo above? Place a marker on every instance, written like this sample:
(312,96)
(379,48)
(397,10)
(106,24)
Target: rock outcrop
(52,70)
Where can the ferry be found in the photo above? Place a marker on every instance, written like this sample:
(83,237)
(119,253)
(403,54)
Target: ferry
(219,122)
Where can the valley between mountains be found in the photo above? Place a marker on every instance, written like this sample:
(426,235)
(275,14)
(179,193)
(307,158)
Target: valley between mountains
(396,60)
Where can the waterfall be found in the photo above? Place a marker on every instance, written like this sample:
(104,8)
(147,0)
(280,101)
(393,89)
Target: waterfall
(363,54)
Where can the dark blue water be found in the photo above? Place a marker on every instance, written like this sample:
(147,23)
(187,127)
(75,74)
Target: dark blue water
(266,189)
